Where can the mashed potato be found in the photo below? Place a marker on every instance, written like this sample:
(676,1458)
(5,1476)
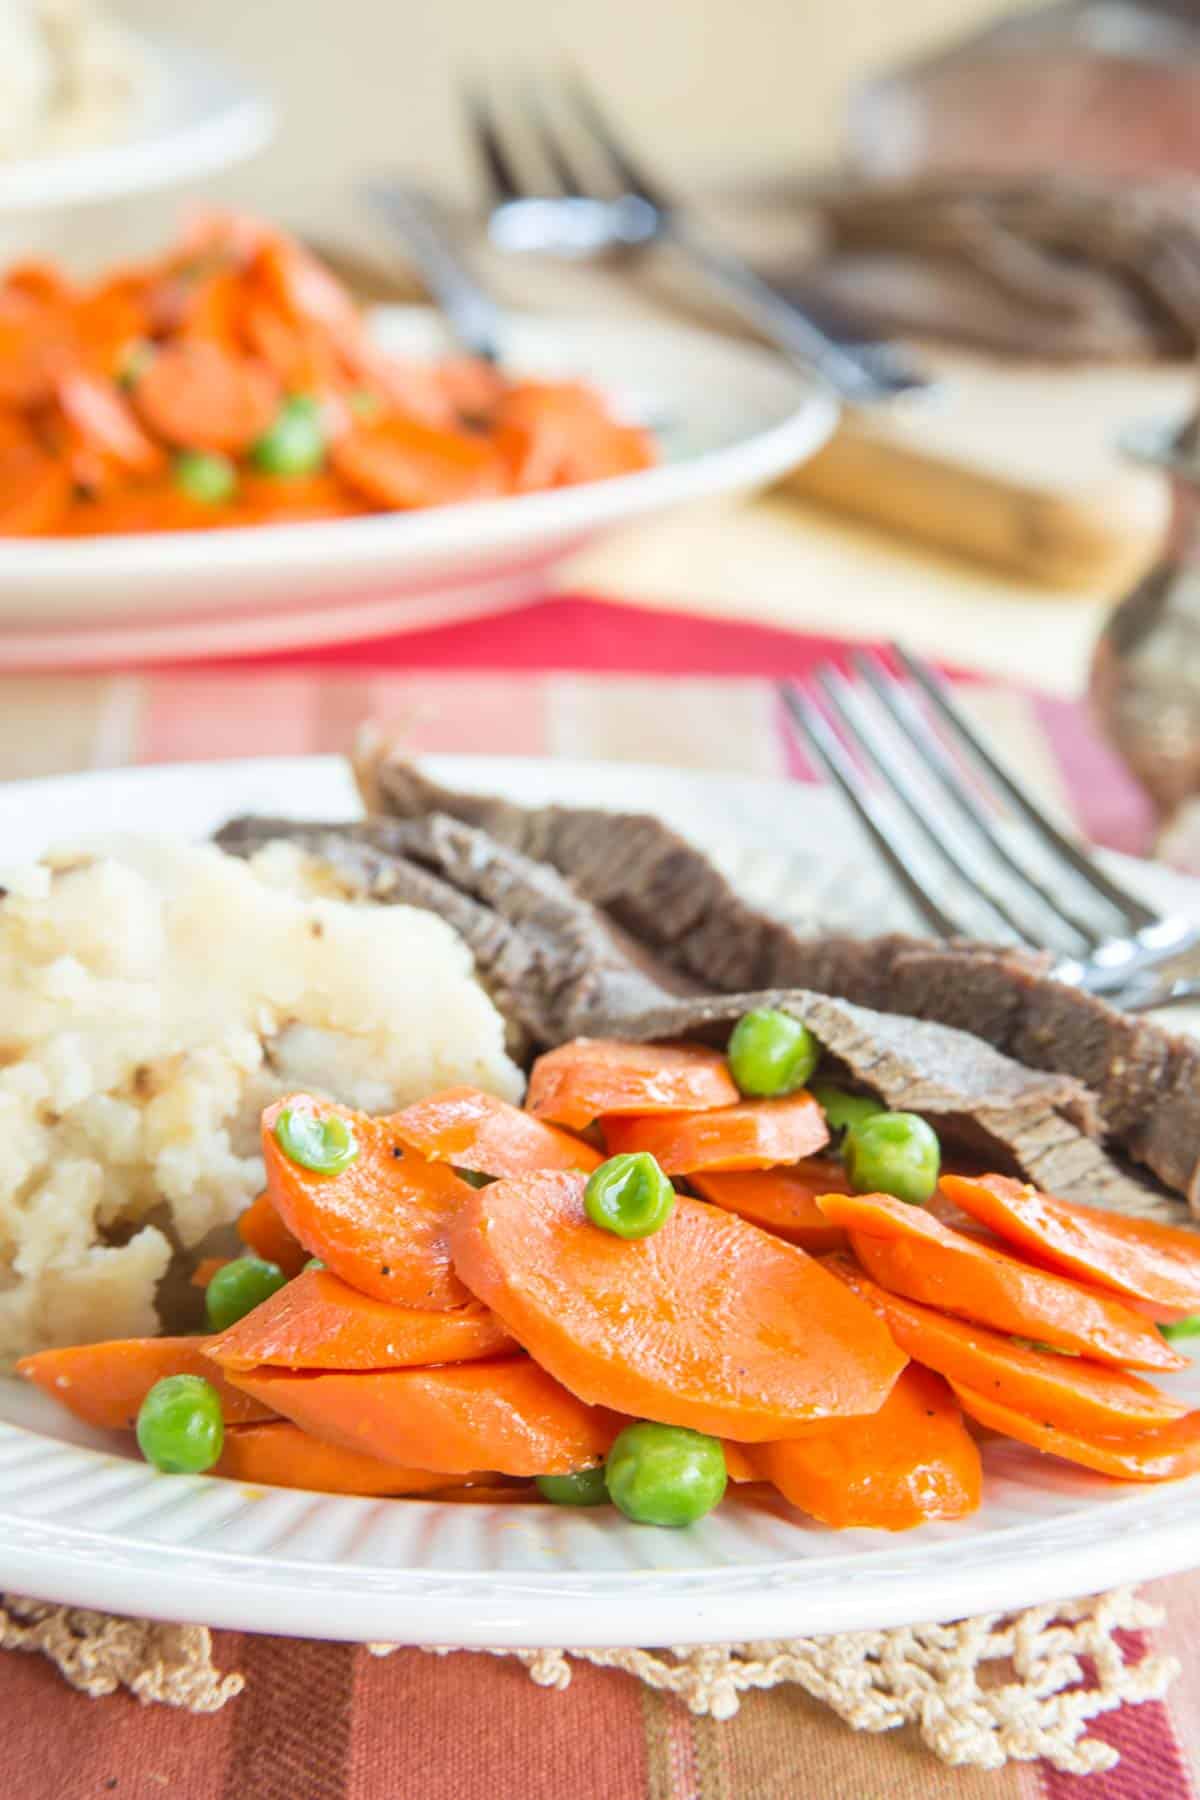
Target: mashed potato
(153,997)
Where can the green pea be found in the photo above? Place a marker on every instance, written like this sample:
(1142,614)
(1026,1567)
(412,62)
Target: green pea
(893,1153)
(180,1428)
(843,1109)
(238,1288)
(586,1487)
(474,1177)
(771,1053)
(1181,1328)
(314,1262)
(294,444)
(665,1474)
(205,476)
(322,1142)
(629,1195)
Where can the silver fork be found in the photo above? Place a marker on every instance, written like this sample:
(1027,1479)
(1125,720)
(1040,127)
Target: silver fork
(931,796)
(585,193)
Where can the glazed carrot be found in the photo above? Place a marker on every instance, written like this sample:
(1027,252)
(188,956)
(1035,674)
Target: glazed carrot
(382,1223)
(912,1461)
(34,337)
(508,1415)
(35,491)
(557,433)
(105,1384)
(757,1134)
(204,1270)
(783,1201)
(474,1130)
(200,397)
(402,462)
(594,1077)
(1164,1453)
(278,500)
(709,1323)
(497,1492)
(262,1230)
(317,1322)
(739,1461)
(106,422)
(913,1254)
(279,1454)
(1069,1392)
(1158,1264)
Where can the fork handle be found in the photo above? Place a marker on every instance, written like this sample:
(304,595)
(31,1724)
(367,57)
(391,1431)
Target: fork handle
(472,315)
(780,319)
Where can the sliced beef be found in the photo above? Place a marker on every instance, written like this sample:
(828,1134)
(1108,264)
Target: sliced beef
(666,893)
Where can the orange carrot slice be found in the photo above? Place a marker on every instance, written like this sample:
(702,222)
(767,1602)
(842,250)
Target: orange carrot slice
(1164,1453)
(912,1461)
(106,422)
(912,1253)
(34,492)
(739,1461)
(758,1134)
(708,1323)
(381,1224)
(279,1454)
(317,1322)
(1158,1264)
(594,1077)
(403,463)
(201,397)
(783,1201)
(204,1270)
(508,1415)
(105,1384)
(474,1130)
(1069,1392)
(262,1230)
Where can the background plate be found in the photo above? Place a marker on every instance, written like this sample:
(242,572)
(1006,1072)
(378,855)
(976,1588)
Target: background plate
(82,1523)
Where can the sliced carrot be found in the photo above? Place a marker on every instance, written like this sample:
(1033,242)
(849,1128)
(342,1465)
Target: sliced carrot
(911,1462)
(1158,1264)
(35,492)
(279,1454)
(34,338)
(491,1493)
(594,1077)
(105,1384)
(558,433)
(709,1323)
(262,1230)
(399,461)
(471,386)
(508,1415)
(783,1201)
(914,1254)
(279,500)
(1065,1391)
(382,1223)
(318,1322)
(103,417)
(739,1461)
(201,397)
(1164,1453)
(474,1130)
(204,1270)
(758,1134)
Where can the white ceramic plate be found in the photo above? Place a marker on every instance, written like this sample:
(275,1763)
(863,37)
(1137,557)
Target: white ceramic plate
(730,416)
(190,117)
(83,1522)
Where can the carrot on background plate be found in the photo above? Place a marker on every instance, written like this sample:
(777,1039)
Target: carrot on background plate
(473,1130)
(199,396)
(105,1384)
(318,1322)
(398,461)
(1069,1392)
(1153,1263)
(908,1251)
(279,1454)
(911,1462)
(1161,1453)
(591,1078)
(708,1323)
(382,1222)
(35,491)
(508,1415)
(262,1230)
(755,1134)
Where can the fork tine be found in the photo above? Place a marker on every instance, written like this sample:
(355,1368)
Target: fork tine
(588,111)
(936,760)
(843,703)
(550,143)
(831,759)
(498,165)
(1136,915)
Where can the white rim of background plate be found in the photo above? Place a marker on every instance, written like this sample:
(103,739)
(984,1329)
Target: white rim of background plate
(203,116)
(90,1528)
